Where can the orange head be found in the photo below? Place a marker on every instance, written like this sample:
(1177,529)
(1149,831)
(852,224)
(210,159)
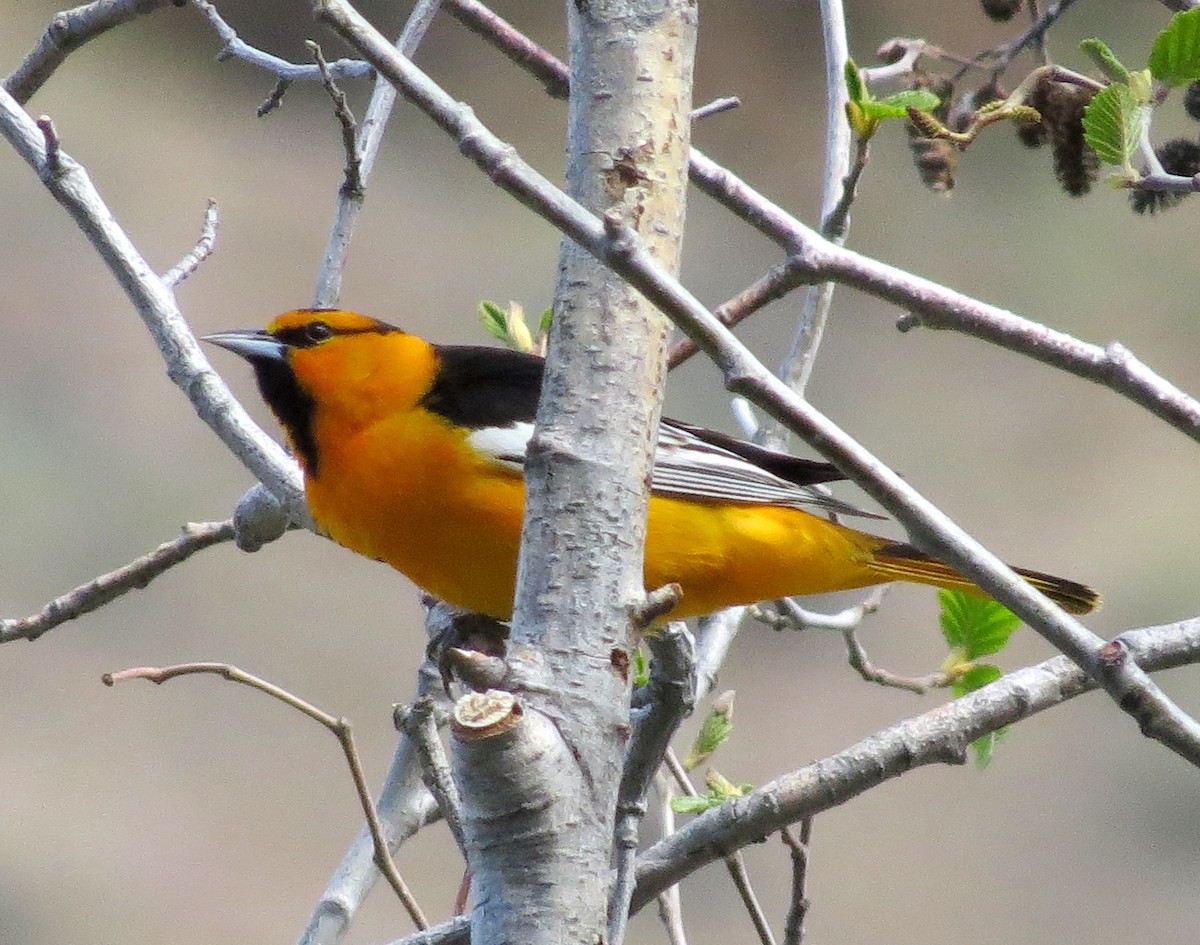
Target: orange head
(337,363)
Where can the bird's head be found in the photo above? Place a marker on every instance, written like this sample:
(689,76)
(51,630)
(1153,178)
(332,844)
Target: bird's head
(329,365)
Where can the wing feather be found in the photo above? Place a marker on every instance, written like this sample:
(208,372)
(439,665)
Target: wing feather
(693,463)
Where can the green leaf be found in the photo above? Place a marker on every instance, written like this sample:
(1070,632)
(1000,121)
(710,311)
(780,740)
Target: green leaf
(862,126)
(544,324)
(1111,123)
(1106,60)
(1175,55)
(897,106)
(720,786)
(978,676)
(985,746)
(977,625)
(695,805)
(855,88)
(494,320)
(720,790)
(714,732)
(641,668)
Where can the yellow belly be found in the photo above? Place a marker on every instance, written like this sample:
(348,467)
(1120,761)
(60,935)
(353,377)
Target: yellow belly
(452,523)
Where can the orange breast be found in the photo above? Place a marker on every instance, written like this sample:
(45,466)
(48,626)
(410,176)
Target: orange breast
(425,504)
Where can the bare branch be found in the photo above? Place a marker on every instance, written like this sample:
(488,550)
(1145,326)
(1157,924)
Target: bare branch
(275,99)
(366,146)
(670,909)
(716,107)
(788,614)
(999,58)
(773,286)
(108,587)
(714,636)
(838,192)
(200,252)
(353,185)
(856,656)
(671,699)
(404,807)
(69,30)
(338,726)
(524,52)
(940,736)
(420,722)
(741,882)
(186,364)
(235,48)
(793,933)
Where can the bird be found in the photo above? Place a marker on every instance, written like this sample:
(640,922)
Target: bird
(413,455)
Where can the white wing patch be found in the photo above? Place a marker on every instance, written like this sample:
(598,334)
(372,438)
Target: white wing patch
(684,466)
(504,446)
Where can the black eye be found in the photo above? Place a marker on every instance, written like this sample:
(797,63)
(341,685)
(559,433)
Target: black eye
(316,332)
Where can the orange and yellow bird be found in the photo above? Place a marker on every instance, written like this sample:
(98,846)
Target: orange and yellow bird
(413,454)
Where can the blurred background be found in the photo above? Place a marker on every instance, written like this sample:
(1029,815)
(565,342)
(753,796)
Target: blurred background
(203,812)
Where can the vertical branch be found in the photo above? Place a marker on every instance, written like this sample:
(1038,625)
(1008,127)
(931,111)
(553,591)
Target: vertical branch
(797,368)
(580,575)
(370,137)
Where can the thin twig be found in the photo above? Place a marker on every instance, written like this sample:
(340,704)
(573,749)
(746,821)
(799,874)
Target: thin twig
(856,656)
(370,137)
(734,862)
(1000,57)
(108,587)
(521,50)
(716,107)
(771,287)
(352,187)
(910,50)
(1039,42)
(404,806)
(53,146)
(788,614)
(714,637)
(793,930)
(233,47)
(419,721)
(671,699)
(338,726)
(275,99)
(200,252)
(670,908)
(838,192)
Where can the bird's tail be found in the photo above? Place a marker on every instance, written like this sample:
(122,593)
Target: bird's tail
(896,561)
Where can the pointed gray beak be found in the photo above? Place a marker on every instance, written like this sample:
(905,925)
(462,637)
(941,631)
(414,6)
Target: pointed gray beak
(250,344)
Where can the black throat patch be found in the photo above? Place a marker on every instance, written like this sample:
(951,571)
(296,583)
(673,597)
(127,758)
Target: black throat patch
(294,408)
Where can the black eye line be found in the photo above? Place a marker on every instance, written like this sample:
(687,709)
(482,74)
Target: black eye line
(300,336)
